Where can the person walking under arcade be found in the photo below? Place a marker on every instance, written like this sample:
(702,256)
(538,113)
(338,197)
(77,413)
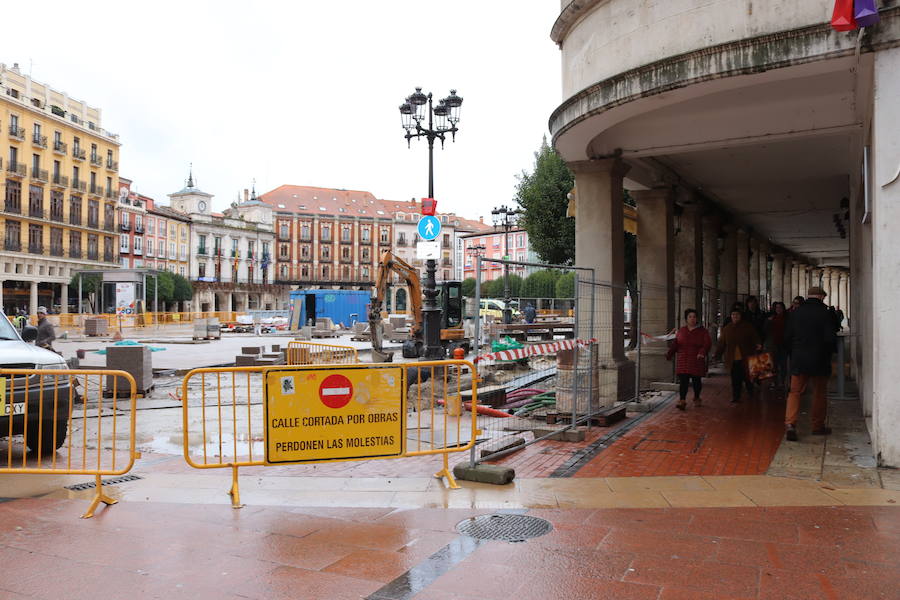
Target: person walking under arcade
(691,344)
(775,342)
(810,338)
(738,341)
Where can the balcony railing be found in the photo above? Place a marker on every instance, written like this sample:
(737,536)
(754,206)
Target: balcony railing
(306,259)
(57,214)
(60,147)
(36,210)
(284,236)
(74,252)
(12,207)
(92,254)
(109,225)
(125,225)
(40,175)
(235,254)
(139,228)
(384,242)
(445,262)
(16,169)
(306,238)
(95,223)
(56,250)
(79,186)
(201,251)
(365,240)
(445,244)
(109,193)
(79,154)
(108,257)
(39,140)
(17,132)
(96,160)
(96,190)
(112,165)
(60,180)
(138,251)
(75,219)
(401,242)
(12,246)
(36,248)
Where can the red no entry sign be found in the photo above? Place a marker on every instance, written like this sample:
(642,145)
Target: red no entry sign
(335,391)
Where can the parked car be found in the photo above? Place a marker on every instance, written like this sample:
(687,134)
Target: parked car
(24,397)
(491,307)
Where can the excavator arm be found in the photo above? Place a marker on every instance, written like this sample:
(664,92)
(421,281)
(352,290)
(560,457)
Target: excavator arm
(387,265)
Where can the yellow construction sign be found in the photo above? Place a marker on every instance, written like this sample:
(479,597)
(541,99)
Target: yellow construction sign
(316,414)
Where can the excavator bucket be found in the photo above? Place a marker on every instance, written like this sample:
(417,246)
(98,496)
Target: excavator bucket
(382,357)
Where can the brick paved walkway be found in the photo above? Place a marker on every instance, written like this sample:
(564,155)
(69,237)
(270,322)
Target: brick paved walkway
(718,438)
(169,551)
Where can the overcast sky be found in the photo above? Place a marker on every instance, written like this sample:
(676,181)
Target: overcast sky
(303,93)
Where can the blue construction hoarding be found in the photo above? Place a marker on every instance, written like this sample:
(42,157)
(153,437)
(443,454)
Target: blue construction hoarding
(341,306)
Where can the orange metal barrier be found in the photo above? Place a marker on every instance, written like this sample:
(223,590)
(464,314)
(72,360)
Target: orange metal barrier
(144,319)
(224,411)
(314,353)
(67,424)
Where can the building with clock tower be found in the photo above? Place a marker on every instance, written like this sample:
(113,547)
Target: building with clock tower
(230,253)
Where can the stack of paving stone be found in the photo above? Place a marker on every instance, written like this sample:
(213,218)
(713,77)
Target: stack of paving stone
(256,356)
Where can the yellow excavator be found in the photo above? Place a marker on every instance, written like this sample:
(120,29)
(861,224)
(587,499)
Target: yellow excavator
(449,299)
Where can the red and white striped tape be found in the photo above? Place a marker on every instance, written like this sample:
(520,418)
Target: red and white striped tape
(534,350)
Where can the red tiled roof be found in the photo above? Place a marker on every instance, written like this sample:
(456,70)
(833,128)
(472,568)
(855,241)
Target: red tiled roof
(355,203)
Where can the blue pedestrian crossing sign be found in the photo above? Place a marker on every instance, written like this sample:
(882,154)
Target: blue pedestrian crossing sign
(429,228)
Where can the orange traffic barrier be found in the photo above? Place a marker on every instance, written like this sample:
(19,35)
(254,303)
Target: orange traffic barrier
(70,423)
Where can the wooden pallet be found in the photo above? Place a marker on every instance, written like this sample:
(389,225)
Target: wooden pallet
(603,418)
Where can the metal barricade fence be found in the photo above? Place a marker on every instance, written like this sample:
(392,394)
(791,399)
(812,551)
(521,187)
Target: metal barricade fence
(224,411)
(562,372)
(314,353)
(71,421)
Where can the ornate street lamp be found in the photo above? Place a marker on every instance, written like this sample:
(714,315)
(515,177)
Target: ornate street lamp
(442,119)
(506,218)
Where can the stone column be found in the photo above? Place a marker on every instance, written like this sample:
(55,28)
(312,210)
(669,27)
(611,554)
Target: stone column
(755,288)
(710,226)
(826,286)
(742,272)
(885,266)
(845,294)
(689,261)
(778,277)
(815,276)
(791,290)
(656,274)
(600,244)
(63,298)
(1,294)
(728,269)
(835,286)
(765,290)
(33,299)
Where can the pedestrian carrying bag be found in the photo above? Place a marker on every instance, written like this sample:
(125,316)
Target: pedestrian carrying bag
(760,366)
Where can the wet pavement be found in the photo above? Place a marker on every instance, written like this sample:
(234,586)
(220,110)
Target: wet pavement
(637,511)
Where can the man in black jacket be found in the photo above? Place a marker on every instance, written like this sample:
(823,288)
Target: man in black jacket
(810,340)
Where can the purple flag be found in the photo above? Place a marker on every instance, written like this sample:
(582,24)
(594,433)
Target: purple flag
(865,12)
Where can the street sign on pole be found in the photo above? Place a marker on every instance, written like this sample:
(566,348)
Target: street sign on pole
(424,250)
(429,227)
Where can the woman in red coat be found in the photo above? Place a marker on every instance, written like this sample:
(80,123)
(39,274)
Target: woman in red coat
(692,343)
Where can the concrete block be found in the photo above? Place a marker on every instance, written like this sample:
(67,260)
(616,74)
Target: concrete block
(569,435)
(494,474)
(276,348)
(663,386)
(266,362)
(245,360)
(251,349)
(135,360)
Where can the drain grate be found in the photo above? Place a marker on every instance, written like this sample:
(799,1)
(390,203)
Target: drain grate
(91,484)
(507,528)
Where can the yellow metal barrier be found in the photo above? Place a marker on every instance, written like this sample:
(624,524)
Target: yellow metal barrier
(314,353)
(68,425)
(224,411)
(144,319)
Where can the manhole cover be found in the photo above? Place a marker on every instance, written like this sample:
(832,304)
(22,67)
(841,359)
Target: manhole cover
(508,528)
